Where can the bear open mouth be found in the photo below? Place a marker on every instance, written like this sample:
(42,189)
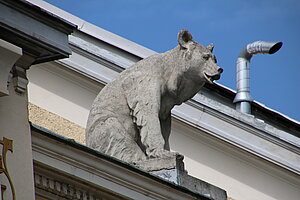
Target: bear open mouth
(211,78)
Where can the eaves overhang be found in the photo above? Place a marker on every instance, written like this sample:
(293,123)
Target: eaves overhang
(41,35)
(260,111)
(97,32)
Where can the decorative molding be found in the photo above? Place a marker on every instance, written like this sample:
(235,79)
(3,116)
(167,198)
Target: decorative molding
(97,32)
(110,62)
(116,57)
(7,145)
(63,189)
(101,57)
(19,79)
(38,32)
(269,136)
(9,55)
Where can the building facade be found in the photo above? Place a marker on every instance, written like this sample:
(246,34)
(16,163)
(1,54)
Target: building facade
(253,156)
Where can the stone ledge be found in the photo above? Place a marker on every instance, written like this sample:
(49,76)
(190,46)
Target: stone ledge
(202,187)
(157,164)
(172,169)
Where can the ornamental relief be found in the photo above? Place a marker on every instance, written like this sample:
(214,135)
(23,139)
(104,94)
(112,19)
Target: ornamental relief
(7,145)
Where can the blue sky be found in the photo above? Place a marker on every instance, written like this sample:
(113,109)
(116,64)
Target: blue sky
(229,24)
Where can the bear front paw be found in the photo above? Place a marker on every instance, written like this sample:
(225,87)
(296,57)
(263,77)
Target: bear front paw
(161,153)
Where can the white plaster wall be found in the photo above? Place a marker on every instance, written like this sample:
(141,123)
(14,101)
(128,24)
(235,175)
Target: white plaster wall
(62,92)
(243,177)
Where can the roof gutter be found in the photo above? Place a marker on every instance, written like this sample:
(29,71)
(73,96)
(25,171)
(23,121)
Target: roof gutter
(243,99)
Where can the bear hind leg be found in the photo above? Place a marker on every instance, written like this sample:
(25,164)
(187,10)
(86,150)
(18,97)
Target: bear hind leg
(111,138)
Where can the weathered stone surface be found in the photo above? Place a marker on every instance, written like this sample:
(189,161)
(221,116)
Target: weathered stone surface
(167,168)
(130,119)
(172,169)
(158,164)
(201,187)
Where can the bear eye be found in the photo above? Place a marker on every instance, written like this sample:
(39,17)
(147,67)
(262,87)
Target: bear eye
(205,56)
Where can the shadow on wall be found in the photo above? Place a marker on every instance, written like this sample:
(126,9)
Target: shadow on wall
(65,83)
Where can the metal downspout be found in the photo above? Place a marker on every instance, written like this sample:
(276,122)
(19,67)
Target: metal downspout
(243,99)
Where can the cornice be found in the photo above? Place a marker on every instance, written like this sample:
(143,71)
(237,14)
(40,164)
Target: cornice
(40,34)
(251,128)
(89,167)
(97,32)
(89,49)
(41,15)
(99,58)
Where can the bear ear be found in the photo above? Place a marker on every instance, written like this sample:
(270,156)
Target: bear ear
(211,47)
(184,37)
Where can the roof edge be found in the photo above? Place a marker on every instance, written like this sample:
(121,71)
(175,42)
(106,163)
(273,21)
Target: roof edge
(258,107)
(95,31)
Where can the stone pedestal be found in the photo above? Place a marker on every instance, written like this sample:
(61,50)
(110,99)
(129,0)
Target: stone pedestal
(172,169)
(167,168)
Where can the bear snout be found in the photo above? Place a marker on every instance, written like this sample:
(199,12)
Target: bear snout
(220,70)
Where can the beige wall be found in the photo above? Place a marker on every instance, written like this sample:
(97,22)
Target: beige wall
(56,123)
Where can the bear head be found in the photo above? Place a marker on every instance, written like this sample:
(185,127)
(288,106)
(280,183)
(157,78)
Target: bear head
(200,63)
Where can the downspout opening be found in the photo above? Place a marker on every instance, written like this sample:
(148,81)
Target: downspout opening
(275,47)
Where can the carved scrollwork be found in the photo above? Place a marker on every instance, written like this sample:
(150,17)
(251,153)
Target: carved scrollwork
(7,145)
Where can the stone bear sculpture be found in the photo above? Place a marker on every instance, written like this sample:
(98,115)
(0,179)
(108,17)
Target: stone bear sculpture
(130,119)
